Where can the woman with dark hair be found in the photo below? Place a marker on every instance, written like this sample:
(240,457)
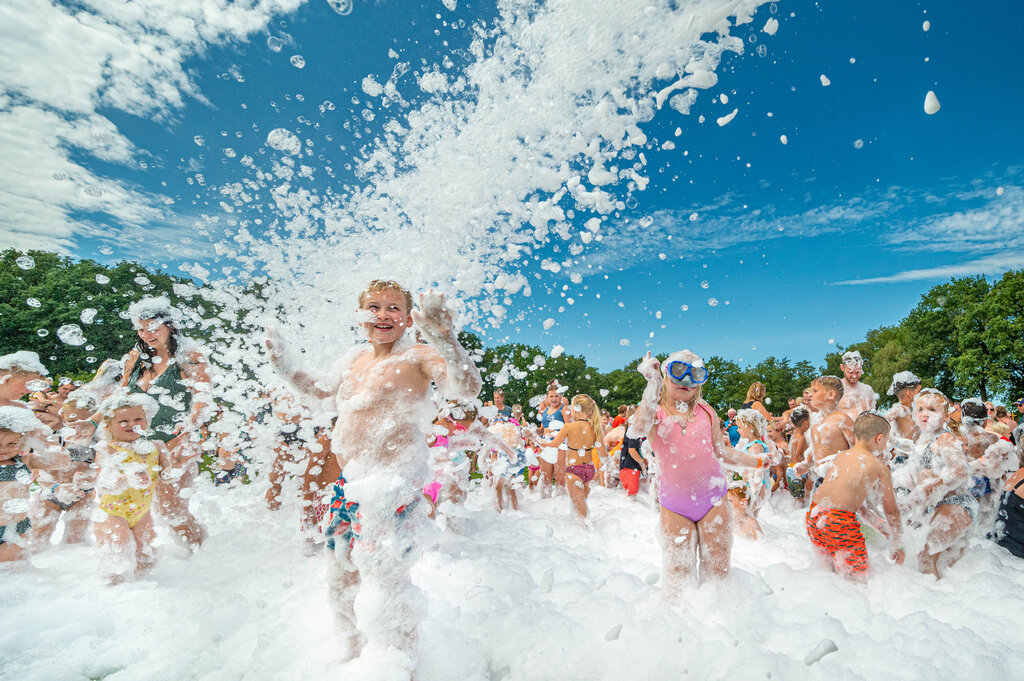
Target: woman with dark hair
(165,365)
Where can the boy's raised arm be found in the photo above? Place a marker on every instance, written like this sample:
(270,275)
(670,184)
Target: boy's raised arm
(456,375)
(287,368)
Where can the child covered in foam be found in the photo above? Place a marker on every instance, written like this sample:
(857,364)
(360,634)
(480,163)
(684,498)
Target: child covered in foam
(129,463)
(23,448)
(749,491)
(856,477)
(382,394)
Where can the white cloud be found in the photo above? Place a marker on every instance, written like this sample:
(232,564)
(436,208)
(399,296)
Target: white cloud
(992,234)
(60,66)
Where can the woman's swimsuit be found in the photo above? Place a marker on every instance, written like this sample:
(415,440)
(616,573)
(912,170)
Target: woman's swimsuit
(691,478)
(132,504)
(1011,516)
(171,394)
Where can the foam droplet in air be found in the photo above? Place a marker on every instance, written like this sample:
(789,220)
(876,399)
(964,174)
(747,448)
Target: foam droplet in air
(726,119)
(999,191)
(33,302)
(557,351)
(724,97)
(858,144)
(71,334)
(284,141)
(624,342)
(926,26)
(705,284)
(712,302)
(450,4)
(25,262)
(88,314)
(102,279)
(771,26)
(199,140)
(342,7)
(298,61)
(825,82)
(274,43)
(931,103)
(548,323)
(783,139)
(824,647)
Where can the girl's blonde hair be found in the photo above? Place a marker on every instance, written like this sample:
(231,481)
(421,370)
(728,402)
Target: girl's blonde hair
(755,421)
(586,406)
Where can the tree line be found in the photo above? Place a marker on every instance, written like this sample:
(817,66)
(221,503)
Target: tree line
(965,337)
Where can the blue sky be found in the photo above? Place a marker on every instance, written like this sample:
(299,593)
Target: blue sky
(869,203)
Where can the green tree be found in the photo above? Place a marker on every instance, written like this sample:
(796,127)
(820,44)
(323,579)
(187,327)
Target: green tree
(1004,312)
(56,291)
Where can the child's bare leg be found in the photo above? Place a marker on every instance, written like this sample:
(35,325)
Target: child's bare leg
(342,587)
(77,519)
(499,491)
(577,494)
(547,471)
(116,548)
(560,468)
(172,498)
(44,514)
(715,541)
(276,475)
(321,472)
(144,534)
(10,552)
(512,498)
(948,526)
(679,551)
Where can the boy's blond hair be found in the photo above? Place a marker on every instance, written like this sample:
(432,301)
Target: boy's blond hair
(833,383)
(386,285)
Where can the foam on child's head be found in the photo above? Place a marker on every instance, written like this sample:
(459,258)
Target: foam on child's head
(386,285)
(126,400)
(23,361)
(902,381)
(800,416)
(754,420)
(19,420)
(870,424)
(973,411)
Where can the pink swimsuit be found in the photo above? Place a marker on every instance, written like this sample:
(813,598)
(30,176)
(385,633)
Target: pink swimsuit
(691,479)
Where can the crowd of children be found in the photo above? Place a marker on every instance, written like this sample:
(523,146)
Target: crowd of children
(405,435)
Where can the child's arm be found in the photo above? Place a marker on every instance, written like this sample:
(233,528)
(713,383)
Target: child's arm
(635,455)
(643,420)
(285,366)
(455,375)
(46,455)
(892,513)
(998,460)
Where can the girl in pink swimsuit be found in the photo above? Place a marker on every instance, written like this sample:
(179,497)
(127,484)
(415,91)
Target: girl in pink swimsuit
(686,438)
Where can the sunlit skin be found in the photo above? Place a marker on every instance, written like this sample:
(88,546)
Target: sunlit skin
(834,432)
(10,445)
(857,397)
(16,384)
(128,425)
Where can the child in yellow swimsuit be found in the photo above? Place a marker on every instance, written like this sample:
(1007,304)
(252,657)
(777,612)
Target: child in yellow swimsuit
(129,463)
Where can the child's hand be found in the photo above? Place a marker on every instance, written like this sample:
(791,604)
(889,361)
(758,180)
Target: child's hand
(432,317)
(650,368)
(140,479)
(898,556)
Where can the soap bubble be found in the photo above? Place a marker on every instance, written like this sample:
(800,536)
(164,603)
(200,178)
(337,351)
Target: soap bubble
(762,50)
(71,334)
(102,279)
(88,314)
(274,44)
(42,333)
(712,302)
(705,284)
(25,262)
(199,140)
(33,302)
(298,61)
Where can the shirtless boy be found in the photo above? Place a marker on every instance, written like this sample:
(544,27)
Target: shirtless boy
(801,420)
(853,478)
(857,397)
(833,432)
(382,396)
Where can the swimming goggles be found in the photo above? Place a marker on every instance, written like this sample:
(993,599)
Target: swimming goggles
(686,374)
